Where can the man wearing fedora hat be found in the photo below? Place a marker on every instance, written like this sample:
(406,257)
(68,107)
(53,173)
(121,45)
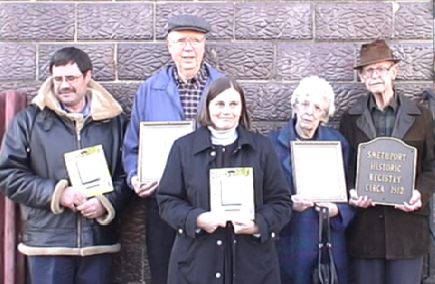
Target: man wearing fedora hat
(175,93)
(388,243)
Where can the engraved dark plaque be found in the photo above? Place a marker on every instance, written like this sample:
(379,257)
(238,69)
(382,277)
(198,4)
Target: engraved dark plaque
(386,171)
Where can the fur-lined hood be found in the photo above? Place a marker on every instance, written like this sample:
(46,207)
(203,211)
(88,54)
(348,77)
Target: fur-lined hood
(103,105)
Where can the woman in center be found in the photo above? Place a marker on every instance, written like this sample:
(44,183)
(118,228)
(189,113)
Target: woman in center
(209,248)
(312,104)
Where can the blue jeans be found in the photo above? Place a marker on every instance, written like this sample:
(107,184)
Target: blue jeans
(94,269)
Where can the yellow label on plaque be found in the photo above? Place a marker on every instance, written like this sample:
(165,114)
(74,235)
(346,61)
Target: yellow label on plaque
(87,169)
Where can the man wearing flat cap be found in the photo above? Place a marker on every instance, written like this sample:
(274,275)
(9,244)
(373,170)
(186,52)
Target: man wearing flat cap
(388,243)
(174,94)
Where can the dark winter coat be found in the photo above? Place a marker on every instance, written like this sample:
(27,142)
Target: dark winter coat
(382,231)
(197,257)
(298,243)
(33,173)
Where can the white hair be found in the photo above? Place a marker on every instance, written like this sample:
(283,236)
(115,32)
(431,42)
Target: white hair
(315,86)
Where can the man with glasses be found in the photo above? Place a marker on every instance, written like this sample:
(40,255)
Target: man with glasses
(388,243)
(68,235)
(176,93)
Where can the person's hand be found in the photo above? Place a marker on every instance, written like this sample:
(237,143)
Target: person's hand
(92,208)
(245,227)
(143,190)
(209,222)
(332,208)
(359,201)
(72,197)
(414,203)
(300,204)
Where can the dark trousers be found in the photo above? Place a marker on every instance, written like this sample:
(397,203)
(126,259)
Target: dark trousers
(382,271)
(94,269)
(159,240)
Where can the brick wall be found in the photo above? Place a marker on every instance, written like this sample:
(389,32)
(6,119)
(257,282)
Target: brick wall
(268,45)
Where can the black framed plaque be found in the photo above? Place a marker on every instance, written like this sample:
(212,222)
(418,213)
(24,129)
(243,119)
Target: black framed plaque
(386,171)
(318,171)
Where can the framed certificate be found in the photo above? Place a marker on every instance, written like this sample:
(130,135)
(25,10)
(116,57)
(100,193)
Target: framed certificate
(232,193)
(87,169)
(318,171)
(156,139)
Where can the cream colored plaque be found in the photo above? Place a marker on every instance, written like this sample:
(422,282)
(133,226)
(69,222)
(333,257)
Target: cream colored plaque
(318,171)
(156,139)
(87,169)
(232,193)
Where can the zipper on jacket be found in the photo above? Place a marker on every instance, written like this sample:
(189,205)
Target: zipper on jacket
(79,217)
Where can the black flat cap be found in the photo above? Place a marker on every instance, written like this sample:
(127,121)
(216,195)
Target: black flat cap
(188,22)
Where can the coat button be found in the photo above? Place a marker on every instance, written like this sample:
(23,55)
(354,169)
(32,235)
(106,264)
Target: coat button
(218,275)
(381,216)
(180,231)
(235,241)
(219,242)
(272,235)
(213,153)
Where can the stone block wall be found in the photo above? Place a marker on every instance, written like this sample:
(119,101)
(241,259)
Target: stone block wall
(267,45)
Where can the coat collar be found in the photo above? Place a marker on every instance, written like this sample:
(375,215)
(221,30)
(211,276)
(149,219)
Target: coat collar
(103,105)
(404,118)
(202,139)
(288,133)
(167,78)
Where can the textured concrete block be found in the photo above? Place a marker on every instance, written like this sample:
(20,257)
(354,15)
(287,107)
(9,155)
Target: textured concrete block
(220,16)
(345,97)
(125,21)
(17,62)
(266,127)
(30,88)
(102,57)
(414,21)
(124,93)
(140,61)
(331,62)
(37,21)
(242,61)
(273,21)
(417,61)
(353,21)
(127,265)
(269,101)
(414,91)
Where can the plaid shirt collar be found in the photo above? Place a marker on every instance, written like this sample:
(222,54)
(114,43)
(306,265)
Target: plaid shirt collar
(373,106)
(200,76)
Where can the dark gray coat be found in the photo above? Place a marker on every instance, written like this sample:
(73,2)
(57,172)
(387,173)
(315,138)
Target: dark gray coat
(382,231)
(197,258)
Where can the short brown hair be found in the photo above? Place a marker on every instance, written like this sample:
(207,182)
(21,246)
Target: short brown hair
(218,87)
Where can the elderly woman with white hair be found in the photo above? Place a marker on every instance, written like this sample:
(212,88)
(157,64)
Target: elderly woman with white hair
(312,104)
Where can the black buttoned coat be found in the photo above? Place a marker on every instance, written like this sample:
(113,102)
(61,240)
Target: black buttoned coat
(382,231)
(198,257)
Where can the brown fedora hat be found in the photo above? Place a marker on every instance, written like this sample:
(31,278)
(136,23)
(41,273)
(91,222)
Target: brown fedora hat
(374,52)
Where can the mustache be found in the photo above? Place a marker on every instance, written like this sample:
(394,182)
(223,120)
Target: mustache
(66,91)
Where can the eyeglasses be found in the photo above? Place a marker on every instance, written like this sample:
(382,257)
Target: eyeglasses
(381,71)
(194,42)
(305,105)
(70,79)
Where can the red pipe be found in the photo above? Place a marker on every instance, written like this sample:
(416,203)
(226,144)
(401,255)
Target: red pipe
(14,264)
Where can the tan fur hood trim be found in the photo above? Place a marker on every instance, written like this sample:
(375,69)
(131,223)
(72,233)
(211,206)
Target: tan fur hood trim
(103,105)
(27,250)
